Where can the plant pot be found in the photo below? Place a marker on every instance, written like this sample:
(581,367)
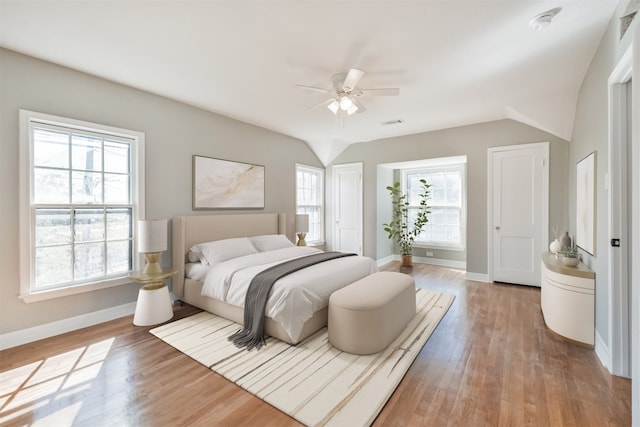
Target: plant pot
(407,261)
(570,262)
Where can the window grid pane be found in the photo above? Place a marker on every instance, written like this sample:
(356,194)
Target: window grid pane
(51,149)
(445,203)
(86,187)
(309,200)
(86,153)
(77,237)
(53,227)
(89,260)
(53,266)
(117,157)
(51,186)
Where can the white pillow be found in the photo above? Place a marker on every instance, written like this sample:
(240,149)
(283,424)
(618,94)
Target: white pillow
(194,254)
(196,271)
(271,242)
(210,253)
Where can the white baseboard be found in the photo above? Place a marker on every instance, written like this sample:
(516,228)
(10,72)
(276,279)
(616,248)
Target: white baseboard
(603,353)
(477,277)
(442,262)
(386,260)
(24,336)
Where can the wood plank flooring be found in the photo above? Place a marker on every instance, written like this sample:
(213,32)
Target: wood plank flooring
(490,362)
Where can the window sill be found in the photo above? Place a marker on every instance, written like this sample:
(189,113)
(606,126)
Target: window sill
(439,247)
(316,244)
(48,294)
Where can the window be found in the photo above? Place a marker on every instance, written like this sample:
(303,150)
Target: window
(81,192)
(310,200)
(445,228)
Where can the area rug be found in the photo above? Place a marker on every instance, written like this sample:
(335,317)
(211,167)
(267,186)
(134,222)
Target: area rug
(313,382)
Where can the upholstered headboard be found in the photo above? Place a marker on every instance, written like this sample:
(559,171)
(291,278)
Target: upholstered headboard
(189,230)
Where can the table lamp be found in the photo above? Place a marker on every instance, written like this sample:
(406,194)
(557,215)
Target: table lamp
(152,241)
(302,228)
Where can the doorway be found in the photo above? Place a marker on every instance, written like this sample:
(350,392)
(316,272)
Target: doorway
(620,214)
(518,212)
(347,207)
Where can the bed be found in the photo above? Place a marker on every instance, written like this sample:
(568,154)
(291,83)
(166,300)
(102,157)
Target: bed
(289,295)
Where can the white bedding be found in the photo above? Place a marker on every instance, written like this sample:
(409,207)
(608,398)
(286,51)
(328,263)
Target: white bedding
(295,297)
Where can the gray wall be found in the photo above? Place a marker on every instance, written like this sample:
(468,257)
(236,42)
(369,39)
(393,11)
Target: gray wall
(472,141)
(591,133)
(174,132)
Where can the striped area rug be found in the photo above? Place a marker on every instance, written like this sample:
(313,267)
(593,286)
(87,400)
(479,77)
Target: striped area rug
(313,382)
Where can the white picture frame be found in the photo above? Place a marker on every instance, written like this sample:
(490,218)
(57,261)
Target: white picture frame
(225,184)
(586,204)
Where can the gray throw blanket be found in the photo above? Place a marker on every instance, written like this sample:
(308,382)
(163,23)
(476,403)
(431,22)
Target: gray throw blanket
(252,334)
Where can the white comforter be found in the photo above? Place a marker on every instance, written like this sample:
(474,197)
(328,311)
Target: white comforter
(295,297)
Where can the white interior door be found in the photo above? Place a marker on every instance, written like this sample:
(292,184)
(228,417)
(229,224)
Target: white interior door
(519,212)
(347,190)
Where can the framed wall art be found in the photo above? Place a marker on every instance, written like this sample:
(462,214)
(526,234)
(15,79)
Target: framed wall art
(224,184)
(586,204)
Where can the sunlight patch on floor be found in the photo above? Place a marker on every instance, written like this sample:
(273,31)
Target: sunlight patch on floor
(55,381)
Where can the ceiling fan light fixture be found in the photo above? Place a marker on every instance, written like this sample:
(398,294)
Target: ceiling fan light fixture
(334,106)
(346,103)
(544,19)
(341,96)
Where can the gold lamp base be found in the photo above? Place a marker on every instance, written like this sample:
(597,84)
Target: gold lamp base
(153,266)
(301,241)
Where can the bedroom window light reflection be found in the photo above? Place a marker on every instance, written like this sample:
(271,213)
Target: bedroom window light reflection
(310,200)
(446,226)
(80,193)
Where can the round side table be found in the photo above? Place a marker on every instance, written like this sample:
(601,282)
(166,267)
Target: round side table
(154,304)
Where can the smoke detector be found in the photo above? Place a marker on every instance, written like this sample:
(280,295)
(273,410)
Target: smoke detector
(543,19)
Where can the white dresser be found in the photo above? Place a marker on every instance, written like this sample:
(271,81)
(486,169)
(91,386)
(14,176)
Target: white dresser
(568,299)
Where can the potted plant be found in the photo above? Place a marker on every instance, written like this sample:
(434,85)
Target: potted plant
(399,229)
(570,256)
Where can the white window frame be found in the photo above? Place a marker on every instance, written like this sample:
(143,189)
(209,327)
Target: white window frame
(460,167)
(27,211)
(320,172)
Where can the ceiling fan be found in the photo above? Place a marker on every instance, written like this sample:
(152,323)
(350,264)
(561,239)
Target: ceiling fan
(343,96)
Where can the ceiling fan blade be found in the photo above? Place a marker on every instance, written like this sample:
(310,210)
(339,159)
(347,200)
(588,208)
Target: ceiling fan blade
(322,103)
(388,91)
(358,104)
(317,89)
(352,79)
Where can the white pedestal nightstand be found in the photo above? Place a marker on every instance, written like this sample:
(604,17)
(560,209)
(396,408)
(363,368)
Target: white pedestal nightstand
(154,304)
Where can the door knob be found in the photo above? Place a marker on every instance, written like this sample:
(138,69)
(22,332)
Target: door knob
(497,228)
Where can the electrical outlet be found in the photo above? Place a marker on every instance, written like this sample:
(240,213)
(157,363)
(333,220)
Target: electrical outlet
(429,253)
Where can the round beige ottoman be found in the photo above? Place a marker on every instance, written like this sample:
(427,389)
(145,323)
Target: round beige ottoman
(366,316)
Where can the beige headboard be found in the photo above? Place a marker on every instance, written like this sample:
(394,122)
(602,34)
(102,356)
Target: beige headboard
(189,230)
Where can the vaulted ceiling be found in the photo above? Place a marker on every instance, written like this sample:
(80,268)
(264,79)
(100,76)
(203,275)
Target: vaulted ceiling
(455,62)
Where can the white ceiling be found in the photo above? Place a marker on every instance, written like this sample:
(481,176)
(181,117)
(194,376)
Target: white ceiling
(456,62)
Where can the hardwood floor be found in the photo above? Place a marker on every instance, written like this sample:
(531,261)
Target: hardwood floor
(491,361)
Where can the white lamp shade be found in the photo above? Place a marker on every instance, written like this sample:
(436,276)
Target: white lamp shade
(334,106)
(302,223)
(346,103)
(152,235)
